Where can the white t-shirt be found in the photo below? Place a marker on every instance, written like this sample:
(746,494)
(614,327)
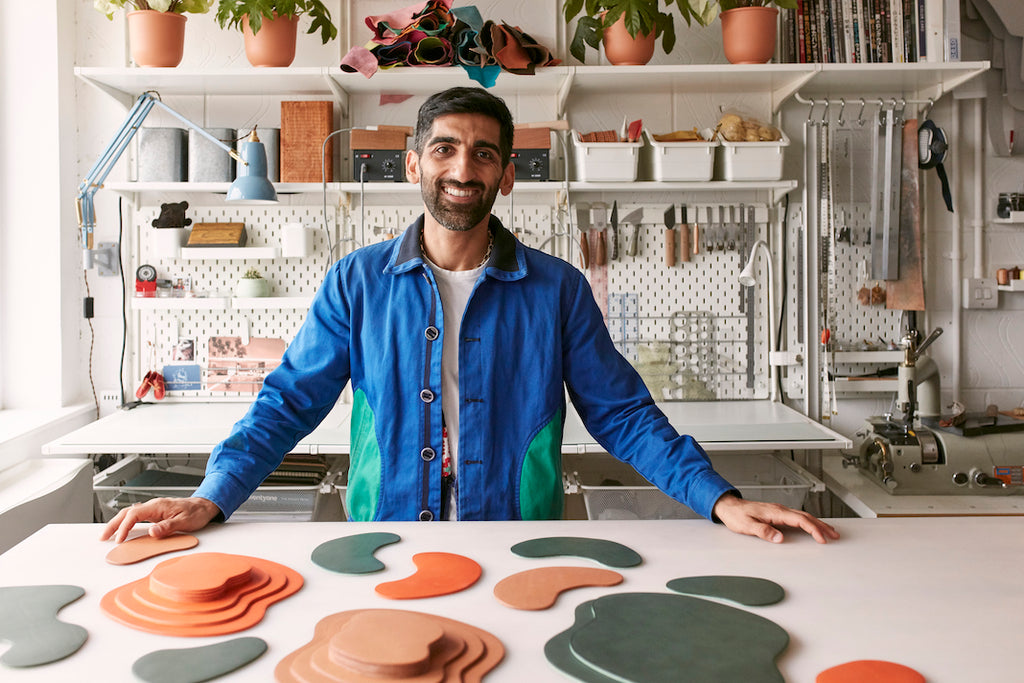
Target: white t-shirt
(454,287)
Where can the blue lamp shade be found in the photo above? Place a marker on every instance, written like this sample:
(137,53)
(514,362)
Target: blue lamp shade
(251,186)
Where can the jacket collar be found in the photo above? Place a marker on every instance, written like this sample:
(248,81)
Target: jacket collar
(507,260)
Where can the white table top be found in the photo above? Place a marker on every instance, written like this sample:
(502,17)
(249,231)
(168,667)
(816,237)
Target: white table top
(868,499)
(198,427)
(940,596)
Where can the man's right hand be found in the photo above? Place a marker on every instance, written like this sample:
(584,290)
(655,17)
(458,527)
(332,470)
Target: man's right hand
(169,515)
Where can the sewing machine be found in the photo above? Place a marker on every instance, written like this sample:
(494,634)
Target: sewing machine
(915,454)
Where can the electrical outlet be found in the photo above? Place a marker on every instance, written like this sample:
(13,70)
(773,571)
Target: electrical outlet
(110,401)
(980,292)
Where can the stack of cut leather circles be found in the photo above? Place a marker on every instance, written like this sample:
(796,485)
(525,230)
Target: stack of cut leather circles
(203,594)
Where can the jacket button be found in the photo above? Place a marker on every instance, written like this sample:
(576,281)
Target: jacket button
(427,454)
(426,516)
(431,333)
(426,395)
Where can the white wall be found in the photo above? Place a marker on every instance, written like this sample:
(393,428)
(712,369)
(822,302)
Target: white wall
(40,282)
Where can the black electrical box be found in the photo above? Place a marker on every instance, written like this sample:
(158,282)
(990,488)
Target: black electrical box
(378,165)
(532,164)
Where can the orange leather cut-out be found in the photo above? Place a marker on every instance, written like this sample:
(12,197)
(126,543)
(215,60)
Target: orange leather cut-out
(436,574)
(144,547)
(205,594)
(874,670)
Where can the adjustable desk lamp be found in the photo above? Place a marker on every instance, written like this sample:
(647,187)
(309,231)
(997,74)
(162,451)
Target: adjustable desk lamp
(251,186)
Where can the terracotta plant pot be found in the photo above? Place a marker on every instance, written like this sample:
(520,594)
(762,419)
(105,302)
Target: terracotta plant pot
(748,34)
(156,38)
(620,48)
(273,44)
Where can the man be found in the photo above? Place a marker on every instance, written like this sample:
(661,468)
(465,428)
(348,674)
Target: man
(459,343)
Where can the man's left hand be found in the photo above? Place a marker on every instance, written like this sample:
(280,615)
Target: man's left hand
(754,518)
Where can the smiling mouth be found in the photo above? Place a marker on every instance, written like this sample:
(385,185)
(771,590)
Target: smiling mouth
(459,192)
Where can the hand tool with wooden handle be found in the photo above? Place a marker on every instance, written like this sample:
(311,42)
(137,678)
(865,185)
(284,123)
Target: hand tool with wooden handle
(599,219)
(670,235)
(615,230)
(696,231)
(583,222)
(684,233)
(633,218)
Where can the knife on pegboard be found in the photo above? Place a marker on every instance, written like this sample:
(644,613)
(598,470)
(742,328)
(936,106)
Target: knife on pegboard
(670,235)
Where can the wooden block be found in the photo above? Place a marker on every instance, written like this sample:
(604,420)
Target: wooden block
(531,138)
(387,138)
(217,235)
(304,127)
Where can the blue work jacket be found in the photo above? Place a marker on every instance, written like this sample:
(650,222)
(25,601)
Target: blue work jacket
(531,331)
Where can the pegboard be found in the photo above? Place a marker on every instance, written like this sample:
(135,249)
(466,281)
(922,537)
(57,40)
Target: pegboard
(854,326)
(681,326)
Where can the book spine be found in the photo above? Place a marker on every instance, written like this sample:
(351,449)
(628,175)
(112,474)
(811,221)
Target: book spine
(922,31)
(896,29)
(848,42)
(800,17)
(951,31)
(933,26)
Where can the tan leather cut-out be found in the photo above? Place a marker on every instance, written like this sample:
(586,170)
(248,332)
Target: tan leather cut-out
(537,589)
(144,547)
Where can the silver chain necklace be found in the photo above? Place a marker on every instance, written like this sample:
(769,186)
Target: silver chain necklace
(487,254)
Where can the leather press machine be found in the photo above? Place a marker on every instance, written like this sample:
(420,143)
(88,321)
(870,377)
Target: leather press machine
(915,454)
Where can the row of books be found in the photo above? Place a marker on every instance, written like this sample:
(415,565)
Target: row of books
(870,31)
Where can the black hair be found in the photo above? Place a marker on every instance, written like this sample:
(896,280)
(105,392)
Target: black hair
(462,100)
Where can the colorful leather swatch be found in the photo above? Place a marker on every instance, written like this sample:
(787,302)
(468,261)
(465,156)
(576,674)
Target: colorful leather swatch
(381,645)
(873,670)
(746,590)
(203,594)
(204,663)
(537,589)
(606,552)
(28,621)
(654,637)
(436,574)
(353,554)
(144,547)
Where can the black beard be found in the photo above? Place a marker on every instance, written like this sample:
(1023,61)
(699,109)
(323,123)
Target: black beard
(457,218)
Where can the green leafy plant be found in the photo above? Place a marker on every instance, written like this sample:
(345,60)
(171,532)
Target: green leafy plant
(108,7)
(231,13)
(252,274)
(641,18)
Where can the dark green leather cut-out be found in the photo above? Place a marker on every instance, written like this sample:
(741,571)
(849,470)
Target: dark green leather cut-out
(746,590)
(28,621)
(353,554)
(198,664)
(655,637)
(606,552)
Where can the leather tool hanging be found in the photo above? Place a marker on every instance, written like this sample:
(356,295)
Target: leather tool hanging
(931,152)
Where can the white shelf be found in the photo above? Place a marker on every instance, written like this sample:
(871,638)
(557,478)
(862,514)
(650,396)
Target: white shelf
(214,303)
(846,385)
(220,303)
(227,253)
(1014,286)
(868,356)
(914,80)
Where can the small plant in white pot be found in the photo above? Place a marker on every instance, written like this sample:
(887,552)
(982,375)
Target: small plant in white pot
(252,285)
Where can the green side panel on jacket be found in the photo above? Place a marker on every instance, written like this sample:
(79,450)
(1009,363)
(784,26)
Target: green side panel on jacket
(364,478)
(540,486)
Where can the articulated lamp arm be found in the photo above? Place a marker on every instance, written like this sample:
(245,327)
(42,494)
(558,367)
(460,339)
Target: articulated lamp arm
(115,148)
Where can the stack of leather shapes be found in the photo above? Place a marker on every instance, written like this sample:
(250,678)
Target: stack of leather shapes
(392,645)
(203,594)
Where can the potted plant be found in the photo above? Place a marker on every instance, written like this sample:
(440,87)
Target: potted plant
(749,27)
(156,28)
(612,22)
(270,26)
(252,285)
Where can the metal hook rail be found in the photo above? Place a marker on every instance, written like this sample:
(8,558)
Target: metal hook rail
(882,103)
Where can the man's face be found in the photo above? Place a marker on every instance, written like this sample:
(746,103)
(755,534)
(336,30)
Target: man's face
(460,170)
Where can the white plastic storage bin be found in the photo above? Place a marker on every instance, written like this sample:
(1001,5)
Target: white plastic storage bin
(751,160)
(138,478)
(605,161)
(683,161)
(621,493)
